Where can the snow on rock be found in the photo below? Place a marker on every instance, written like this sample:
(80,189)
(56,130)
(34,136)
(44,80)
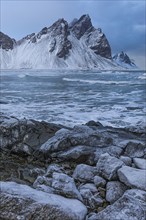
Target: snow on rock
(133,177)
(140,163)
(37,204)
(107,166)
(131,206)
(60,46)
(122,59)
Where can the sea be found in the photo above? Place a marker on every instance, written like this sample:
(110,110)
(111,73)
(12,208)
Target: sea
(71,97)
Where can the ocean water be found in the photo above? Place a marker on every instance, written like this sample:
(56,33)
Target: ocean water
(68,97)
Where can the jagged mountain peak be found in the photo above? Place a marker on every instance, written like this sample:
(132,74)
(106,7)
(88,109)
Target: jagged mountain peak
(123,59)
(61,45)
(81,26)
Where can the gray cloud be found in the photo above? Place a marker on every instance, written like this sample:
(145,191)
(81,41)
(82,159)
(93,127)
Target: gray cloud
(123,21)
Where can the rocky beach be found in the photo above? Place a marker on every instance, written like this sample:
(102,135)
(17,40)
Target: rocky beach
(87,172)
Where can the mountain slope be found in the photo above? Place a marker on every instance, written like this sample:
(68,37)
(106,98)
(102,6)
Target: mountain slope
(62,45)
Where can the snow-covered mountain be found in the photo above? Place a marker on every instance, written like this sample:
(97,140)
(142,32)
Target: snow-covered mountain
(62,45)
(123,60)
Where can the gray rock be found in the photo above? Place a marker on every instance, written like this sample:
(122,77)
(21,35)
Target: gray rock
(126,160)
(135,149)
(91,200)
(53,168)
(131,206)
(65,185)
(107,166)
(84,173)
(37,205)
(111,150)
(140,163)
(114,190)
(80,154)
(42,180)
(99,181)
(89,186)
(132,177)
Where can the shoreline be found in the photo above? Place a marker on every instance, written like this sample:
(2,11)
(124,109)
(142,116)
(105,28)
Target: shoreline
(92,166)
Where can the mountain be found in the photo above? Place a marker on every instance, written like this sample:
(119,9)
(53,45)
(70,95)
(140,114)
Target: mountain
(62,45)
(123,60)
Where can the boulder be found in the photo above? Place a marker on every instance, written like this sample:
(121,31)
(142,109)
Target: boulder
(114,190)
(131,206)
(140,163)
(135,149)
(127,160)
(37,205)
(107,166)
(65,185)
(84,173)
(53,168)
(132,177)
(99,181)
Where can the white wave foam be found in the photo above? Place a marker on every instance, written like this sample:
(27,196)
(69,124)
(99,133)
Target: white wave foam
(97,81)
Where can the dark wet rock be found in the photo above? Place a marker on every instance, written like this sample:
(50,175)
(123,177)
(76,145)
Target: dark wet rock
(24,136)
(135,149)
(78,154)
(114,190)
(131,206)
(107,166)
(132,177)
(6,42)
(37,205)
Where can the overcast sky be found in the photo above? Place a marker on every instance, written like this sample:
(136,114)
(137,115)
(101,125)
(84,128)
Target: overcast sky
(123,21)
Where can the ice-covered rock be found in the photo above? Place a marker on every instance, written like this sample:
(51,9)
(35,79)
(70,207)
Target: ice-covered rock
(140,163)
(107,166)
(114,190)
(132,177)
(84,173)
(65,185)
(37,205)
(131,206)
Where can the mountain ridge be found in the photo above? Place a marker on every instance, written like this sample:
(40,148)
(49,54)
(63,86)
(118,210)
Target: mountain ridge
(78,45)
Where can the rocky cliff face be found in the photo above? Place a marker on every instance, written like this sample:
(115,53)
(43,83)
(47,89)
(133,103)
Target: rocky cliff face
(6,43)
(123,59)
(62,45)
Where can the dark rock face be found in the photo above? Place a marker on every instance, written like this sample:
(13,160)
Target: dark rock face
(81,26)
(94,38)
(60,29)
(103,48)
(6,42)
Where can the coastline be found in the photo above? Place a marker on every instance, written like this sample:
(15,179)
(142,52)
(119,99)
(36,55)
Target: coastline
(94,166)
